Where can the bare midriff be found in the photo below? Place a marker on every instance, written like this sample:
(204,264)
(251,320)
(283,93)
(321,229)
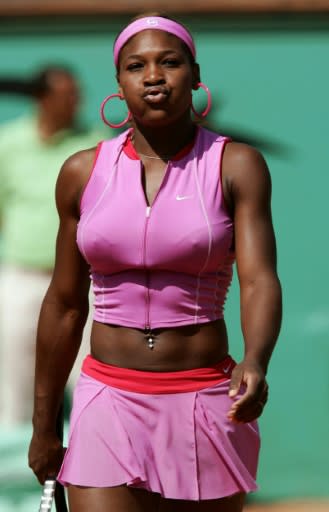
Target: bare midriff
(180,348)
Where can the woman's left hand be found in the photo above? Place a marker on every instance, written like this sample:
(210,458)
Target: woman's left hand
(250,377)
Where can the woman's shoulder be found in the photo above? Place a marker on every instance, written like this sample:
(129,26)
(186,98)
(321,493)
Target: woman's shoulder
(242,161)
(75,173)
(78,166)
(240,152)
(77,163)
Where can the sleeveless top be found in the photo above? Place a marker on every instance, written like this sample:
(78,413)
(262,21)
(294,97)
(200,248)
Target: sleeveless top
(164,265)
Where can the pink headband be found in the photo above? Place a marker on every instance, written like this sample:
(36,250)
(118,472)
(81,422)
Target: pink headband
(153,22)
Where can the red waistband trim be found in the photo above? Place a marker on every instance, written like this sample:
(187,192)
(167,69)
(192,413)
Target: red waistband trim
(139,381)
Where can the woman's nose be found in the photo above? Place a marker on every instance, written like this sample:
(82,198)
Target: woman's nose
(153,76)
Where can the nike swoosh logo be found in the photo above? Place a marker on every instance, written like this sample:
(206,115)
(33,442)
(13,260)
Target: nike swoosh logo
(227,369)
(181,198)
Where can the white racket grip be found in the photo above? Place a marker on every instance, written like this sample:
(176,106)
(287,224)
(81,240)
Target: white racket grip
(47,497)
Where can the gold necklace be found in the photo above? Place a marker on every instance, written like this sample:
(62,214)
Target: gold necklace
(152,157)
(165,157)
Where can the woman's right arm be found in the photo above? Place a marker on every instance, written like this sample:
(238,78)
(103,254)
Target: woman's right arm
(62,318)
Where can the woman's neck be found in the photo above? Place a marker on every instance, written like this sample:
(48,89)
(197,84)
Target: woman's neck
(162,141)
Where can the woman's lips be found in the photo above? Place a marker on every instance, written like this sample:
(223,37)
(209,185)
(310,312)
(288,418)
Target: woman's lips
(155,95)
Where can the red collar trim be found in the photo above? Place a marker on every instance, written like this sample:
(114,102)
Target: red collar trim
(129,150)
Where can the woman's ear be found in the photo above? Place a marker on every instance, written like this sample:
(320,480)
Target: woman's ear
(196,76)
(120,91)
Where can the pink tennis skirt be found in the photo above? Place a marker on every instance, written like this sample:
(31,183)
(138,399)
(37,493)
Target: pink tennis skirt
(177,443)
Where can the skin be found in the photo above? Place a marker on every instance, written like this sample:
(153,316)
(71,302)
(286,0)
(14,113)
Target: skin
(57,108)
(154,59)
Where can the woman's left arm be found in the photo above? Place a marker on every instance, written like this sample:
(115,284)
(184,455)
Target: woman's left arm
(247,182)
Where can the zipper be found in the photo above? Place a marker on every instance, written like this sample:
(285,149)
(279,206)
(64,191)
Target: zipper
(148,329)
(147,272)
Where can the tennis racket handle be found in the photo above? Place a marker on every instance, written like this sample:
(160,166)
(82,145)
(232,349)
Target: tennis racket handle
(47,497)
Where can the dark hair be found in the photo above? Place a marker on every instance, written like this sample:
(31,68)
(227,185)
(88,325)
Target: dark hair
(41,82)
(36,86)
(162,15)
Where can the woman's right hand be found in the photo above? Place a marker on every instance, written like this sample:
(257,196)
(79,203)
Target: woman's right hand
(46,454)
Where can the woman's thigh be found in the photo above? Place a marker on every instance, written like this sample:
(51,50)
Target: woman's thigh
(111,499)
(229,504)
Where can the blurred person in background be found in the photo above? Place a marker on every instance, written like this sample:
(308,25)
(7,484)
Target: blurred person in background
(32,150)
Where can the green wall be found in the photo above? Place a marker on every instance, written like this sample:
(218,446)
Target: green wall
(270,79)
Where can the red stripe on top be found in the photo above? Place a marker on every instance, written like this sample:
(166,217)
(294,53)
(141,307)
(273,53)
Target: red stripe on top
(139,381)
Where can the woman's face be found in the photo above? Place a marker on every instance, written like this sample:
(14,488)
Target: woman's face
(156,77)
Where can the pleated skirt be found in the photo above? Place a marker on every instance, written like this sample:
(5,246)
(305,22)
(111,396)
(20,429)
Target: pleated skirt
(180,445)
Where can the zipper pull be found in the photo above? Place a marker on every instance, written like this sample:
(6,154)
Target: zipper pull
(148,211)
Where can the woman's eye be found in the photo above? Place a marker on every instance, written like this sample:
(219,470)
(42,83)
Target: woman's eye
(134,66)
(171,62)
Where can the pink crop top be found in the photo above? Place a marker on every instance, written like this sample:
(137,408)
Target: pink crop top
(164,265)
